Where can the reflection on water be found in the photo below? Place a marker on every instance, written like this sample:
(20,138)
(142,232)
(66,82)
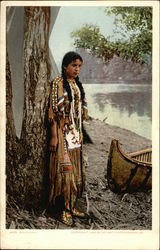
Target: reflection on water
(125,105)
(130,102)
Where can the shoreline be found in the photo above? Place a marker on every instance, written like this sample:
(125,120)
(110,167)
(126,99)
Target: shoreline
(115,132)
(118,127)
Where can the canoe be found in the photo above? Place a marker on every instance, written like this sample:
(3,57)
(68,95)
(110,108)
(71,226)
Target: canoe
(129,172)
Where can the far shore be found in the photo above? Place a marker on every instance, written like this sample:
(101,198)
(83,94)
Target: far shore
(102,81)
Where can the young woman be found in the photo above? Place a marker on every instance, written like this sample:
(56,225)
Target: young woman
(68,108)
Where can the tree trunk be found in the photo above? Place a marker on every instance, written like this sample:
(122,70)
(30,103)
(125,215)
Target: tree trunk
(10,133)
(29,184)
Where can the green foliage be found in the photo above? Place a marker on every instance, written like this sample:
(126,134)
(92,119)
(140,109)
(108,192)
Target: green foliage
(134,18)
(134,25)
(90,38)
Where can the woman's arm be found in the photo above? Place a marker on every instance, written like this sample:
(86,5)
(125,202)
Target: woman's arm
(53,139)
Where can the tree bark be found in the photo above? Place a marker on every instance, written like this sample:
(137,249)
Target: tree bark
(30,183)
(10,133)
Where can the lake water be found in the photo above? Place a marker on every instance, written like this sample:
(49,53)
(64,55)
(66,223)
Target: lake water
(128,106)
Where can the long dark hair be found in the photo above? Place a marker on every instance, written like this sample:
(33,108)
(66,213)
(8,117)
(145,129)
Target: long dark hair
(67,59)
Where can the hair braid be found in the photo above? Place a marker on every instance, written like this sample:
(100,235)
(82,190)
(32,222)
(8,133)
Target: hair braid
(79,84)
(66,85)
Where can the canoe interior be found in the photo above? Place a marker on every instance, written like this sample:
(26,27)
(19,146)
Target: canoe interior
(142,155)
(129,172)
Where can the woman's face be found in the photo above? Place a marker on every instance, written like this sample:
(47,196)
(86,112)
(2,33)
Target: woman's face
(72,70)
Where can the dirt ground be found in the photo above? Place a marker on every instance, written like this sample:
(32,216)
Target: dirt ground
(106,209)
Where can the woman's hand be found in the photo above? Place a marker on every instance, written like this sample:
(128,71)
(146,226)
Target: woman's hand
(53,144)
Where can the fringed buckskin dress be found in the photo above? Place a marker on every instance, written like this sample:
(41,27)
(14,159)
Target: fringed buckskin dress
(67,168)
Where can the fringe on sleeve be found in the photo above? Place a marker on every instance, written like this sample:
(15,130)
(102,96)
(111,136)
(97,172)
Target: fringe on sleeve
(56,105)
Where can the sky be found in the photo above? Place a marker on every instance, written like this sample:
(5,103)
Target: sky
(71,18)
